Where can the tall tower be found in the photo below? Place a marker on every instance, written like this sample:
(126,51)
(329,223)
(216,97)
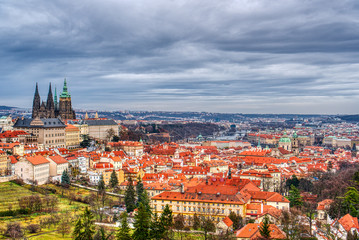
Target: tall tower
(56,103)
(65,106)
(50,107)
(36,103)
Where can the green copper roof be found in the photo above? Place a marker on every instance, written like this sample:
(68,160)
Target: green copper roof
(284,139)
(295,135)
(64,93)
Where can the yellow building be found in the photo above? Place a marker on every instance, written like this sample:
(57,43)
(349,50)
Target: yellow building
(84,129)
(4,164)
(216,205)
(107,176)
(72,136)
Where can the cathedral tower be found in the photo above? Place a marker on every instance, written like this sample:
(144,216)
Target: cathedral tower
(65,106)
(36,103)
(50,107)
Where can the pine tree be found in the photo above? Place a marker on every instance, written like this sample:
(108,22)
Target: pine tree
(156,228)
(101,185)
(139,191)
(294,197)
(146,201)
(264,229)
(123,232)
(65,179)
(142,223)
(130,198)
(84,228)
(166,220)
(113,179)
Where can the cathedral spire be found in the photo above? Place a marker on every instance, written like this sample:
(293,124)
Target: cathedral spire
(36,102)
(50,104)
(65,93)
(37,91)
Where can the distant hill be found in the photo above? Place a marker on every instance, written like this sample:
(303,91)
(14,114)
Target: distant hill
(6,108)
(350,118)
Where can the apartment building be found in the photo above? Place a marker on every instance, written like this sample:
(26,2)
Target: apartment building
(50,132)
(58,164)
(33,169)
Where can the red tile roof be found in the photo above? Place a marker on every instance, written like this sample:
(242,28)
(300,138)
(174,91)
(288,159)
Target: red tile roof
(348,222)
(58,159)
(37,160)
(251,230)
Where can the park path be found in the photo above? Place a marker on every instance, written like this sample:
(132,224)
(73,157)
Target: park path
(95,190)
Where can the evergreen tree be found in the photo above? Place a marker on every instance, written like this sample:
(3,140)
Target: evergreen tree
(294,197)
(156,228)
(130,198)
(65,179)
(86,141)
(84,228)
(142,223)
(123,232)
(146,201)
(264,228)
(139,191)
(113,179)
(292,181)
(101,235)
(167,220)
(351,201)
(101,185)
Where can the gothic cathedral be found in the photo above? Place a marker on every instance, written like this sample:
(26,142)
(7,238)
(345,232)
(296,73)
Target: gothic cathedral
(52,108)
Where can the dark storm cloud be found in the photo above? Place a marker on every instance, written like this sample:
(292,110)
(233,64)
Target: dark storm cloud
(226,56)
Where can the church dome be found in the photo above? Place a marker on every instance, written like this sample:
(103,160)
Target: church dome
(284,139)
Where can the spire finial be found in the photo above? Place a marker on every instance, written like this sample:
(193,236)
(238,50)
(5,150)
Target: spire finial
(37,89)
(65,93)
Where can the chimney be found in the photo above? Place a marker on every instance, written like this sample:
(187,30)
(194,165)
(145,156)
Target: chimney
(262,207)
(182,188)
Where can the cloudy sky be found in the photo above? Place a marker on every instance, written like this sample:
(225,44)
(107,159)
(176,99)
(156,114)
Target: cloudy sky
(246,56)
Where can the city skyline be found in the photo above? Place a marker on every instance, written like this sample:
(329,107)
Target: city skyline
(248,57)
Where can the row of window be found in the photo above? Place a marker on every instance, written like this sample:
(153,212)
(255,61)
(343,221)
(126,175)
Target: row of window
(199,209)
(198,203)
(55,135)
(55,141)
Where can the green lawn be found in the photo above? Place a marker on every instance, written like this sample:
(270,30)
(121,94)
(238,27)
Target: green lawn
(50,235)
(10,193)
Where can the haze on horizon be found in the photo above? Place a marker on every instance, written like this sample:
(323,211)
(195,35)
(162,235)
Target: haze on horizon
(285,56)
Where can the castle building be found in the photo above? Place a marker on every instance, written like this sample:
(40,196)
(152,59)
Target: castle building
(52,108)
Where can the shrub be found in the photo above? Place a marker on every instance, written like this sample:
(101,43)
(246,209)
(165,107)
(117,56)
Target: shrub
(33,228)
(14,230)
(19,182)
